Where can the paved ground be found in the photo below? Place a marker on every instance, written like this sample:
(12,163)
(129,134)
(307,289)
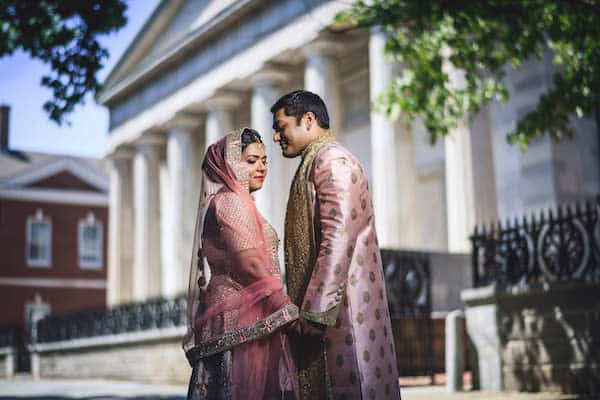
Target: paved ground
(25,388)
(439,393)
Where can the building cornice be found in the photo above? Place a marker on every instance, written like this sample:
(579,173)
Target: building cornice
(64,196)
(143,40)
(196,38)
(54,282)
(254,58)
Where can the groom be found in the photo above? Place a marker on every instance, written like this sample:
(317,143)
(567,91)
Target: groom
(344,346)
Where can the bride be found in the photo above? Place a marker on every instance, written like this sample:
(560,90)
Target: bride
(236,304)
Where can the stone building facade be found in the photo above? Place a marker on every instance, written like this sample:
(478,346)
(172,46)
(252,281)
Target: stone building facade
(199,68)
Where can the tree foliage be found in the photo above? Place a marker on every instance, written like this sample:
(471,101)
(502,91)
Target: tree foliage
(63,34)
(485,38)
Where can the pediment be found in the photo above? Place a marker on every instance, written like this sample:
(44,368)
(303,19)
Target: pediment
(64,180)
(62,174)
(170,24)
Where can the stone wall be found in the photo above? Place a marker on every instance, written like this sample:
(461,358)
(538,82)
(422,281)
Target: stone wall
(152,356)
(450,273)
(537,340)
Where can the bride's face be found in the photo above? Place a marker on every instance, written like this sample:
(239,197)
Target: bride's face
(255,159)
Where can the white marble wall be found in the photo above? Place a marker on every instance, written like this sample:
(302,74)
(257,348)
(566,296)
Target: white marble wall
(548,173)
(484,187)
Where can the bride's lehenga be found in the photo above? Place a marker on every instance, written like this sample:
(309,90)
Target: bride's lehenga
(234,342)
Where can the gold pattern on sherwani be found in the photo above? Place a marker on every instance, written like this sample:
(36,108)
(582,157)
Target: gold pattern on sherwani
(300,244)
(300,257)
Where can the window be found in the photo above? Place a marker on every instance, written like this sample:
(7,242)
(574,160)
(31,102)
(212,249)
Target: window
(39,241)
(90,243)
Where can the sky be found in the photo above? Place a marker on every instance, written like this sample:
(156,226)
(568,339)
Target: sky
(20,88)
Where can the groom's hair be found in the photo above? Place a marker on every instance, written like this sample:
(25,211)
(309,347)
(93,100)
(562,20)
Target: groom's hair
(298,103)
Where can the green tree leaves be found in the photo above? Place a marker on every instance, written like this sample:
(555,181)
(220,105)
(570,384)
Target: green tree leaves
(482,39)
(61,33)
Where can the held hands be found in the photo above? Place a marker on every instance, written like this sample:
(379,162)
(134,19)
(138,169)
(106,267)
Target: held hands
(304,327)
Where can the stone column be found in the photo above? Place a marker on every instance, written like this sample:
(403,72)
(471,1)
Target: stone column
(34,312)
(407,228)
(483,327)
(146,271)
(35,365)
(459,179)
(271,199)
(9,362)
(321,77)
(383,144)
(120,225)
(219,119)
(183,197)
(455,350)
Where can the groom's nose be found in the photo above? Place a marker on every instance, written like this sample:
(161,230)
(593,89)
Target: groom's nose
(276,136)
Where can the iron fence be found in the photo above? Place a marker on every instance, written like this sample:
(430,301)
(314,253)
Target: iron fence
(156,313)
(8,336)
(408,283)
(557,245)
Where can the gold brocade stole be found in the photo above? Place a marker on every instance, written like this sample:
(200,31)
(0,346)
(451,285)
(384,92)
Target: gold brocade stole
(300,258)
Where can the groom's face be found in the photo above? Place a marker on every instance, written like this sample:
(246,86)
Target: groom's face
(293,137)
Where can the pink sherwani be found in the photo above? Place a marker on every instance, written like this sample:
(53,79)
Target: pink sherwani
(348,280)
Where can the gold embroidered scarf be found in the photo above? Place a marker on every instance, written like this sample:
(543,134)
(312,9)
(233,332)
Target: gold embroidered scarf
(300,257)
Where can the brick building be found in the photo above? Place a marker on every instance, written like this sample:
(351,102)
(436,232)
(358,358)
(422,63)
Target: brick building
(53,230)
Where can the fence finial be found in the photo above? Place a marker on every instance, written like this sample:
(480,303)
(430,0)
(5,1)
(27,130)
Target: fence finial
(542,217)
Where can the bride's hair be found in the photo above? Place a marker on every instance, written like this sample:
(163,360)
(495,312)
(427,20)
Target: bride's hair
(250,136)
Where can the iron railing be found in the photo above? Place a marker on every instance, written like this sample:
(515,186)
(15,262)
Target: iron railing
(8,336)
(558,245)
(11,336)
(408,288)
(156,313)
(408,284)
(408,281)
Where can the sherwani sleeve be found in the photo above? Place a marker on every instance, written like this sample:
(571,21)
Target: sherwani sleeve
(333,176)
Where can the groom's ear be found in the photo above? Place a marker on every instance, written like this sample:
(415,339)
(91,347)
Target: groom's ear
(309,117)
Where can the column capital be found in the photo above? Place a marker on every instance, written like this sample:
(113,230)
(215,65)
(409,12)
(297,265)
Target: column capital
(322,47)
(184,121)
(150,139)
(123,152)
(223,101)
(270,75)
